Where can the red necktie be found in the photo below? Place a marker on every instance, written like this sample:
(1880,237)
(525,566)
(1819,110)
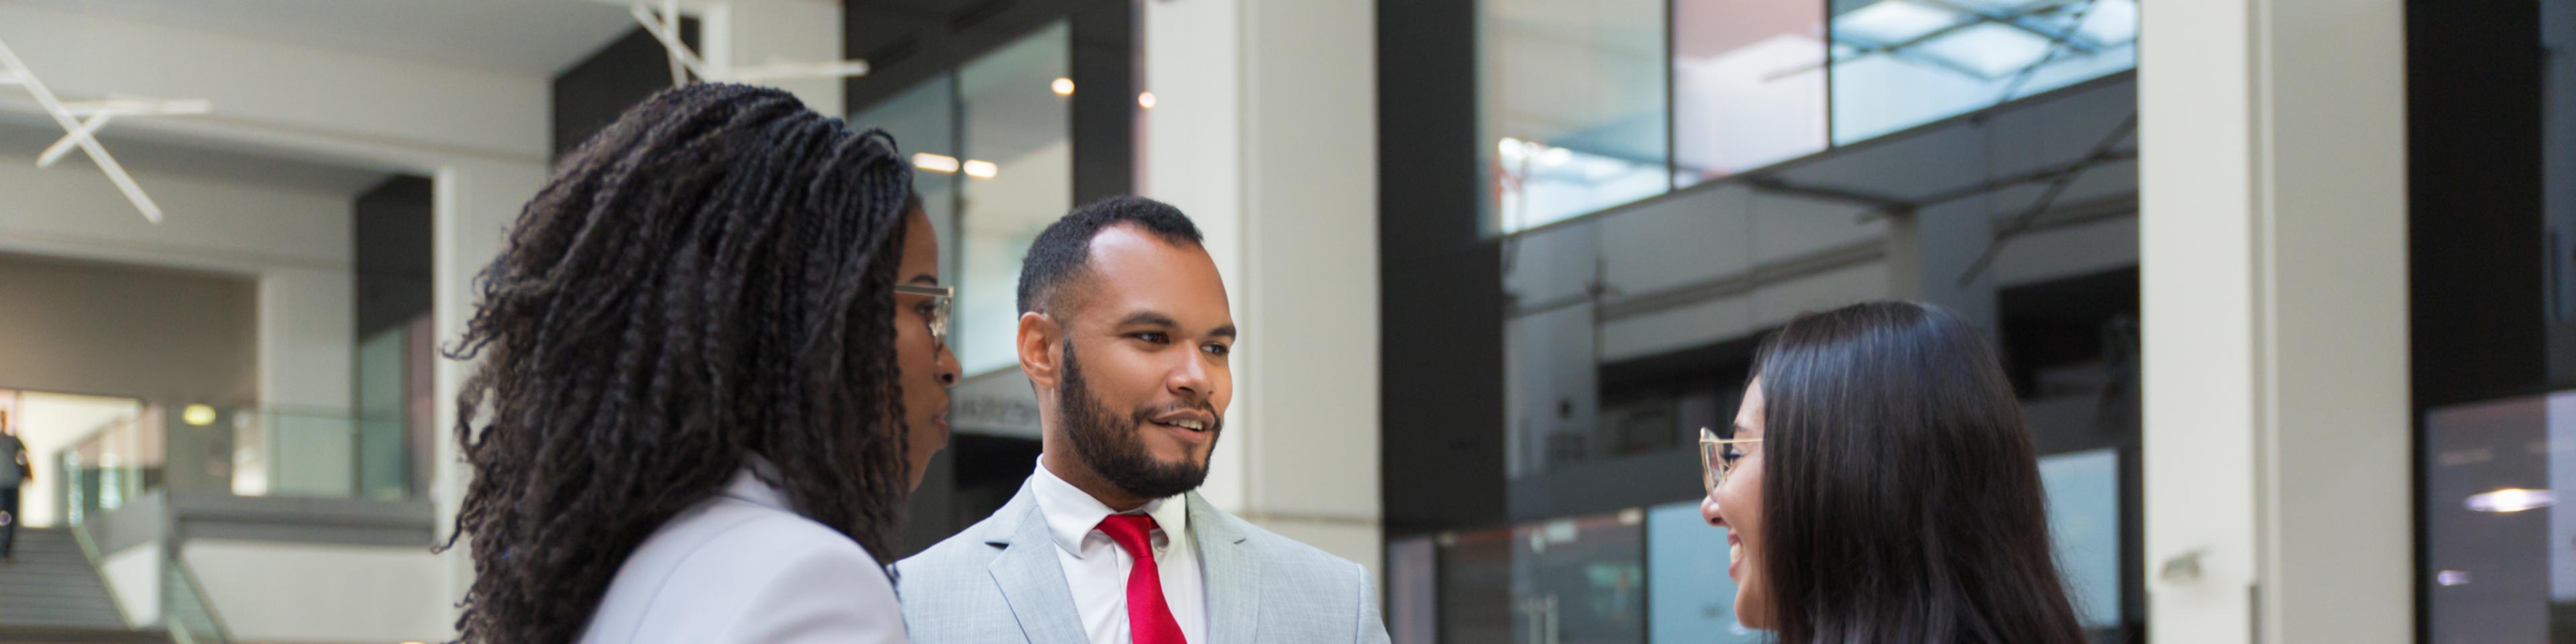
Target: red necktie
(1149,619)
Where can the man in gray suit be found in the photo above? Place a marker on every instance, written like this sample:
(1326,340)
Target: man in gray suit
(1124,333)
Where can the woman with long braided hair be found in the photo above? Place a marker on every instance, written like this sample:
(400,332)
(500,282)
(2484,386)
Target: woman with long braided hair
(714,364)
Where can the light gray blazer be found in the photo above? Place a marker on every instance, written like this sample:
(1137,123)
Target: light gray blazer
(999,581)
(744,567)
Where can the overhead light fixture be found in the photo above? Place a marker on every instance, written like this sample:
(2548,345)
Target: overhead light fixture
(939,163)
(1890,22)
(1062,86)
(775,70)
(1991,49)
(1145,100)
(198,415)
(2510,500)
(2453,577)
(981,169)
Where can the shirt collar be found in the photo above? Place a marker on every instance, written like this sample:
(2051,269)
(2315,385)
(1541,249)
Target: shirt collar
(1071,514)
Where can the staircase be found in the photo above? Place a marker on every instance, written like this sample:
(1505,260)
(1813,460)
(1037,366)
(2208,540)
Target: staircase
(52,594)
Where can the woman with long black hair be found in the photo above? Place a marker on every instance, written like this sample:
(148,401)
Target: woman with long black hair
(1879,486)
(713,366)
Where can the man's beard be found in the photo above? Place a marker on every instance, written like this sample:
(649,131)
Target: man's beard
(1115,447)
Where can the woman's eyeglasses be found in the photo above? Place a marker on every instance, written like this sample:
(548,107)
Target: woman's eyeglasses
(1717,458)
(940,297)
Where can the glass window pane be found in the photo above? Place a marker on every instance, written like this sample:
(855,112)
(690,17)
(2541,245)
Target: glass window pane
(1017,165)
(1688,595)
(1748,83)
(2084,524)
(923,121)
(1572,105)
(2497,560)
(1902,63)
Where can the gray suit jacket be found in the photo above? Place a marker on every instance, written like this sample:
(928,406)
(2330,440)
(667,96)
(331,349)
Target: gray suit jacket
(999,581)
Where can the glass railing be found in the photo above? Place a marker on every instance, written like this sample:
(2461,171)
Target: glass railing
(186,612)
(241,452)
(116,464)
(302,454)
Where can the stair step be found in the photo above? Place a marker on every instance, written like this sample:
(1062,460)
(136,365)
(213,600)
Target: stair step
(83,620)
(57,635)
(57,604)
(89,593)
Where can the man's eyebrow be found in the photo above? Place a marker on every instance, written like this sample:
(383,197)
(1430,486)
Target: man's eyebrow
(1148,318)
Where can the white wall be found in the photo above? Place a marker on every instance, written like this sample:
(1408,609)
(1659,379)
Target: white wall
(751,33)
(294,243)
(483,135)
(50,423)
(134,575)
(278,592)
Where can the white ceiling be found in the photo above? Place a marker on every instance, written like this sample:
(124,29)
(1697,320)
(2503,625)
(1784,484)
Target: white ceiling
(531,37)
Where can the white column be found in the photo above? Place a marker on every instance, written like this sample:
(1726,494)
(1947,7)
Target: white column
(475,204)
(1265,132)
(2273,250)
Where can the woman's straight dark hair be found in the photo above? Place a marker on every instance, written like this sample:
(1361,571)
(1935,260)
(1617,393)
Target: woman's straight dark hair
(1901,498)
(706,281)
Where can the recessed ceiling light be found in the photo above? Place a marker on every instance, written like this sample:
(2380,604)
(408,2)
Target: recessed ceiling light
(1062,86)
(2509,500)
(939,163)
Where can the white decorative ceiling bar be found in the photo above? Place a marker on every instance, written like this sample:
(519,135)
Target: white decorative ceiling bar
(664,26)
(81,132)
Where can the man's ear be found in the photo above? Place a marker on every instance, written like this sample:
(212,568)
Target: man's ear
(1041,341)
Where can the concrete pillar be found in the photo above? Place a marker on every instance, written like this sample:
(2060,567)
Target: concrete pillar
(2274,284)
(1264,130)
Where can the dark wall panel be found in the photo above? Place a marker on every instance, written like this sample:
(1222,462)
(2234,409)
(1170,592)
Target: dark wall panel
(393,228)
(2475,244)
(1441,293)
(590,94)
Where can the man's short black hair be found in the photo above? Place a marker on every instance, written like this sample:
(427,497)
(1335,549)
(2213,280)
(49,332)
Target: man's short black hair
(1064,249)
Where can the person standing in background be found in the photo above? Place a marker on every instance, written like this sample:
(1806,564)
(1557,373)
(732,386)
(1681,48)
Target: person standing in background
(15,471)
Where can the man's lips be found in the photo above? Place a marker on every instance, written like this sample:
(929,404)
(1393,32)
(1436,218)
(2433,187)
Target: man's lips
(1192,420)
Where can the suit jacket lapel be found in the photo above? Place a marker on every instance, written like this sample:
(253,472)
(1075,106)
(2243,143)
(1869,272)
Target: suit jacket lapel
(1233,573)
(1030,577)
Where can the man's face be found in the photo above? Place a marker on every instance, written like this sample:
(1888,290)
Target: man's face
(1144,381)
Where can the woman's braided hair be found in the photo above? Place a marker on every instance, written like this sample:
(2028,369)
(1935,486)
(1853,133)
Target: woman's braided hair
(706,281)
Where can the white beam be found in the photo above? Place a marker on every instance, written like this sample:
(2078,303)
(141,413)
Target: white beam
(55,152)
(97,154)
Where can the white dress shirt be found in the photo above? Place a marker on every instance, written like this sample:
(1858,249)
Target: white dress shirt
(1096,567)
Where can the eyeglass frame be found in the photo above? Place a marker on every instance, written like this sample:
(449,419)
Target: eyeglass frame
(943,299)
(1714,466)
